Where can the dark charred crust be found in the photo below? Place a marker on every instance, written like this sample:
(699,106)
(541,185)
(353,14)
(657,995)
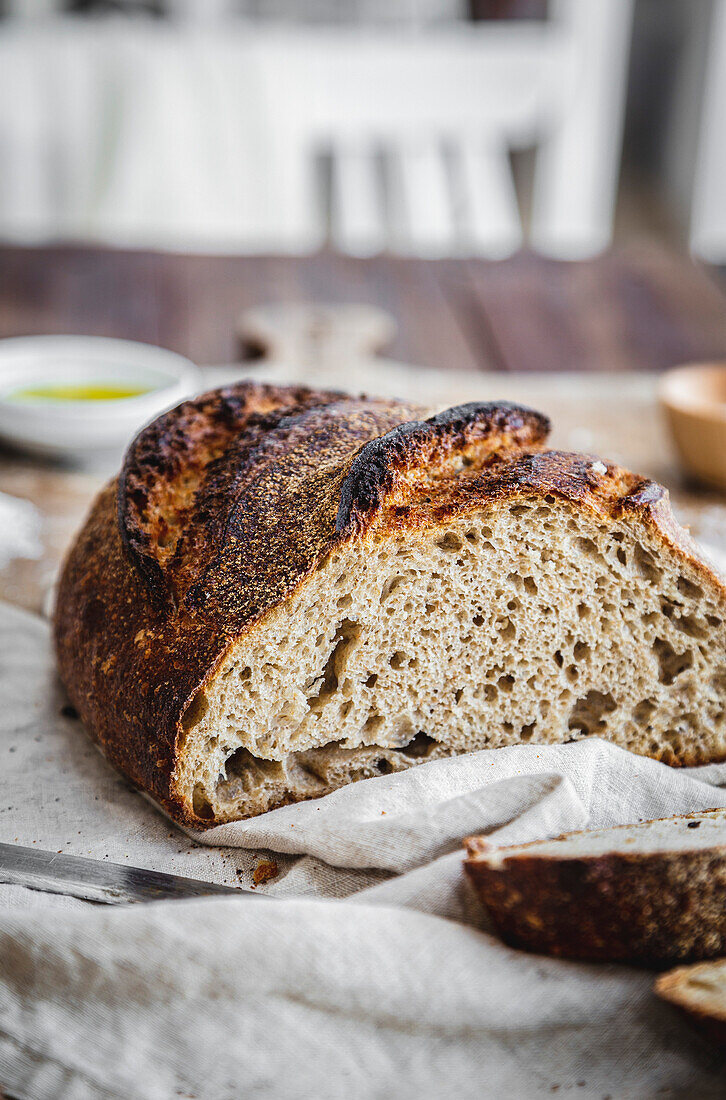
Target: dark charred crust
(304,457)
(651,910)
(226,505)
(187,445)
(472,433)
(643,494)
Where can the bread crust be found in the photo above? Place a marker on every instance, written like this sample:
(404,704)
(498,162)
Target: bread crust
(672,987)
(652,909)
(227,504)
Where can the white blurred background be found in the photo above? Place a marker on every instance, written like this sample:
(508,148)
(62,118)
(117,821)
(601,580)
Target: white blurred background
(420,127)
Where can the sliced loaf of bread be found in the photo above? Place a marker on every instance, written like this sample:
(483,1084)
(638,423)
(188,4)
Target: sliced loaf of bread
(286,591)
(700,992)
(651,893)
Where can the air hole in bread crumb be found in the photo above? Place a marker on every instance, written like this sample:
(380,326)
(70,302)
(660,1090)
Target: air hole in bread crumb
(644,710)
(196,710)
(589,712)
(373,723)
(459,695)
(676,739)
(398,660)
(421,745)
(691,626)
(581,651)
(670,663)
(689,589)
(450,542)
(527,732)
(530,585)
(344,640)
(588,548)
(718,681)
(559,659)
(372,680)
(507,631)
(646,565)
(505,683)
(201,805)
(390,587)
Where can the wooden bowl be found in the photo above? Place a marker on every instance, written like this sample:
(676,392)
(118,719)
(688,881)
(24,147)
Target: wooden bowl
(693,399)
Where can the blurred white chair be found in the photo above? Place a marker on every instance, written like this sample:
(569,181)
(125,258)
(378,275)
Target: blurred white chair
(212,136)
(708,214)
(440,117)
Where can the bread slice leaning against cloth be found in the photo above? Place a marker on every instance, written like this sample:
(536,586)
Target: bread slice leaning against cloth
(652,893)
(700,992)
(288,590)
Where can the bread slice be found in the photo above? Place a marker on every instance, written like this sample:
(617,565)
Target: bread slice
(652,893)
(286,591)
(700,992)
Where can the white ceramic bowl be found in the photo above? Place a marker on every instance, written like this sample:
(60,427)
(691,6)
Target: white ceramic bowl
(48,426)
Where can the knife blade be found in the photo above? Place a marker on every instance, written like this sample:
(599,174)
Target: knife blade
(93,880)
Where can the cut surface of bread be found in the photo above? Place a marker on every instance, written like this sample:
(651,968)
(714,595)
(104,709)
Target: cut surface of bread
(652,892)
(700,992)
(287,591)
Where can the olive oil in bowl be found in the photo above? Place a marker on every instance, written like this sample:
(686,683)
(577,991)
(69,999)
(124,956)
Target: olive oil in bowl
(67,396)
(86,391)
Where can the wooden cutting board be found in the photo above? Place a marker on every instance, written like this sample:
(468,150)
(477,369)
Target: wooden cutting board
(612,415)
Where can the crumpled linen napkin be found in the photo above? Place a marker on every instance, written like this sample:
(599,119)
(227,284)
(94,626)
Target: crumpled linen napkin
(398,990)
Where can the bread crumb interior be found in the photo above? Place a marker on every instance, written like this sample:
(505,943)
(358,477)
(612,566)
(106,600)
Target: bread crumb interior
(529,622)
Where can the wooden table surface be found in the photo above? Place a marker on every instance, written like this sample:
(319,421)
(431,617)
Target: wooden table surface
(640,308)
(497,329)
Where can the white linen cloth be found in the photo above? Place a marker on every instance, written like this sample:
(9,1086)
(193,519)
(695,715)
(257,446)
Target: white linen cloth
(398,990)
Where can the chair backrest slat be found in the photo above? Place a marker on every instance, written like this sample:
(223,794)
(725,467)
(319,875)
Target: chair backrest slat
(163,133)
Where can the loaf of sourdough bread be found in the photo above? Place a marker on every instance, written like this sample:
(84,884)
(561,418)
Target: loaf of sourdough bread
(287,590)
(650,893)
